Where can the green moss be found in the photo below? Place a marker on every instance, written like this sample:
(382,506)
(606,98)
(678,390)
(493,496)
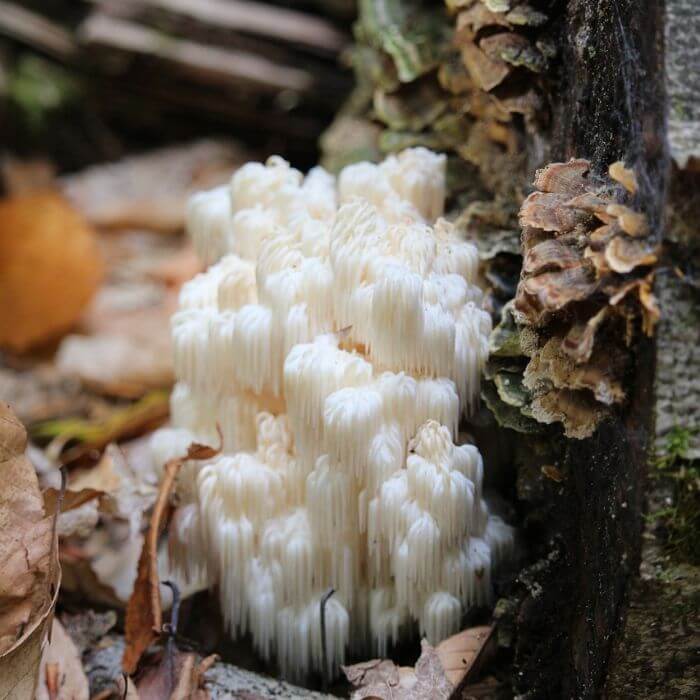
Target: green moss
(39,88)
(680,518)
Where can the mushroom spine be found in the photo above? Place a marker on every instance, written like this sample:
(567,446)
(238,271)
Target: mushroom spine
(336,339)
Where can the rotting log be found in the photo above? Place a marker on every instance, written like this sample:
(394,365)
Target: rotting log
(607,99)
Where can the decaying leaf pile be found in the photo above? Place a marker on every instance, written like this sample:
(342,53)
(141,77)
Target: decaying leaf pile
(585,294)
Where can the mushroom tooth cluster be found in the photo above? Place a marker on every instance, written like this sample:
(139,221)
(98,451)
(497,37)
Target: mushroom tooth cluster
(335,341)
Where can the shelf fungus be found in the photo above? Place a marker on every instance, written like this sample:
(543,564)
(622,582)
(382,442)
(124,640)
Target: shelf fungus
(336,340)
(584,295)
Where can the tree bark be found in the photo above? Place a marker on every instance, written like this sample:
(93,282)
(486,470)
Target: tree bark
(608,105)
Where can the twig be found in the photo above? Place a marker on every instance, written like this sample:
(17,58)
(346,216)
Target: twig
(54,530)
(324,653)
(170,630)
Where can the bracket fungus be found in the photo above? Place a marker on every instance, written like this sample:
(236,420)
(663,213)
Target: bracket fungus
(584,294)
(336,339)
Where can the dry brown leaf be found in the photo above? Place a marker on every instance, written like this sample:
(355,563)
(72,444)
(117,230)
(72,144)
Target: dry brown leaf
(78,515)
(372,672)
(31,574)
(25,534)
(459,653)
(150,190)
(578,342)
(427,681)
(61,675)
(103,567)
(115,364)
(49,269)
(71,499)
(144,615)
(127,493)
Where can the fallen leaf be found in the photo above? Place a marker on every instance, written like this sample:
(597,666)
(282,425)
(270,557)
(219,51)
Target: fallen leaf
(178,268)
(50,267)
(426,682)
(87,627)
(118,365)
(174,677)
(102,568)
(371,672)
(144,615)
(42,393)
(150,190)
(61,675)
(460,654)
(127,489)
(70,500)
(31,574)
(25,544)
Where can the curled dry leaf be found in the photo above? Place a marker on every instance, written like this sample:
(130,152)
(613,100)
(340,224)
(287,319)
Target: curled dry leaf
(102,567)
(31,574)
(50,267)
(578,342)
(144,615)
(436,674)
(463,654)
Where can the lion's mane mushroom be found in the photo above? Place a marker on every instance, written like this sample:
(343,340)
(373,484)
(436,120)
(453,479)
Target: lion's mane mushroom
(336,340)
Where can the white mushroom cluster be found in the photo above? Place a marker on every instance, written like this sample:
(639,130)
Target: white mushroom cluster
(336,339)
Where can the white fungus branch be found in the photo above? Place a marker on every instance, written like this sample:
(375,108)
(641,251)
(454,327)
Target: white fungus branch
(336,339)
